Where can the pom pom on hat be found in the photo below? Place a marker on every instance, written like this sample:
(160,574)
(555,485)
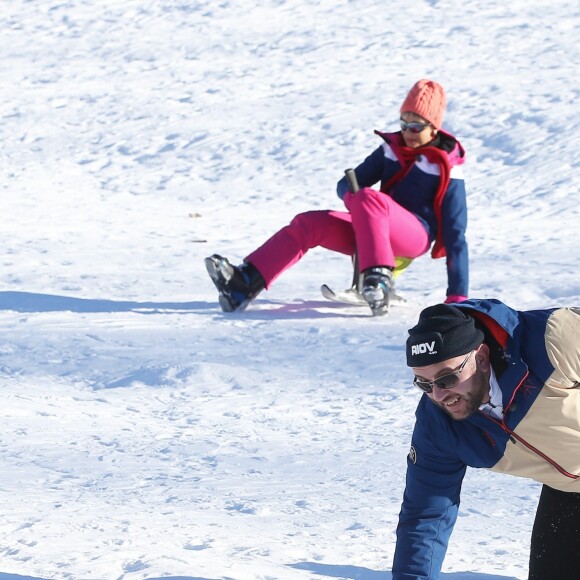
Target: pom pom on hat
(443,332)
(426,99)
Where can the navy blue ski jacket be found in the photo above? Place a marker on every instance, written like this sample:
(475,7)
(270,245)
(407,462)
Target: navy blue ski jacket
(538,438)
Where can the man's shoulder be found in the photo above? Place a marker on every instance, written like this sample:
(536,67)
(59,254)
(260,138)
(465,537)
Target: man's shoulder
(492,310)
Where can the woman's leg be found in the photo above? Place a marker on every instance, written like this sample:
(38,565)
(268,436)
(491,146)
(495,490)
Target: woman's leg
(329,229)
(555,546)
(384,229)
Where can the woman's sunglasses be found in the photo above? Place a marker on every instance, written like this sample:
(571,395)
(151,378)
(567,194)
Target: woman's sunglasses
(445,382)
(413,126)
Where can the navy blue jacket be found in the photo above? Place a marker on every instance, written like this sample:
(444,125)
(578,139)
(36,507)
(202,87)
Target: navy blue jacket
(538,438)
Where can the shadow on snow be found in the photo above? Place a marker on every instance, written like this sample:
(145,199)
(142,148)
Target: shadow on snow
(360,573)
(31,302)
(36,302)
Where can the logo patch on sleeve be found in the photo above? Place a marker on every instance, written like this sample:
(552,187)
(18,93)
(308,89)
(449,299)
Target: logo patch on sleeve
(412,455)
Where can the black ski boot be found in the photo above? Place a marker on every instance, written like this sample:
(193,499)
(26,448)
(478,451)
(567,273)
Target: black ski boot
(237,285)
(377,288)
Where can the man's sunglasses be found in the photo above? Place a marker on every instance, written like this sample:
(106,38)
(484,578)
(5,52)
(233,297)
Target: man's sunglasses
(445,382)
(413,126)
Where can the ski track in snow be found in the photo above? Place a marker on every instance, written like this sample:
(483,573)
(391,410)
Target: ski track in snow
(144,433)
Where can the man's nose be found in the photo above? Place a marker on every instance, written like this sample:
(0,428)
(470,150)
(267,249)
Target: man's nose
(439,394)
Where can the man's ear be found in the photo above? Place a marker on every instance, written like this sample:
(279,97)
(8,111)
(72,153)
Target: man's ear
(482,358)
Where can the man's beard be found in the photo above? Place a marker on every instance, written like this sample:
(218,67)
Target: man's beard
(474,399)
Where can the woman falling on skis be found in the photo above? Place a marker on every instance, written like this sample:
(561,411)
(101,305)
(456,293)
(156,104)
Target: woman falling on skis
(421,204)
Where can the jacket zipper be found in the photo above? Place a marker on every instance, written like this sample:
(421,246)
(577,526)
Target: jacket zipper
(513,436)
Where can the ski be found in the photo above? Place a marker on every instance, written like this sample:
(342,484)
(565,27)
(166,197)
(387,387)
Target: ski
(352,297)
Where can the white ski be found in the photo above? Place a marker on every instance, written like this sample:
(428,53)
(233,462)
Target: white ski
(352,297)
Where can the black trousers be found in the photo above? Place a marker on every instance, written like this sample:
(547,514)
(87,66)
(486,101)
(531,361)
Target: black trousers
(555,548)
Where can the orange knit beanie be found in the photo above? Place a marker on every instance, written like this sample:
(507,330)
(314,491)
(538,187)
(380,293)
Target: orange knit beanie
(426,99)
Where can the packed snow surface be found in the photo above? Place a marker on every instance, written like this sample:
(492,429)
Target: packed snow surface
(147,435)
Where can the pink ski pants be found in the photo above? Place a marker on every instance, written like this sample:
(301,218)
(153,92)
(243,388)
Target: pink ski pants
(378,227)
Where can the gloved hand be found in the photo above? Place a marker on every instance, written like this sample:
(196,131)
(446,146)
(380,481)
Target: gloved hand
(454,298)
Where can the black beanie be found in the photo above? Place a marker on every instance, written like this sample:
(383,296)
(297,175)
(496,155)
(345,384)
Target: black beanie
(443,332)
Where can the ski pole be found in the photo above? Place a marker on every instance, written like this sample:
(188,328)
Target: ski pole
(356,277)
(352,180)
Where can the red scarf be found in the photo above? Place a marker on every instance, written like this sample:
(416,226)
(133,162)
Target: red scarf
(407,156)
